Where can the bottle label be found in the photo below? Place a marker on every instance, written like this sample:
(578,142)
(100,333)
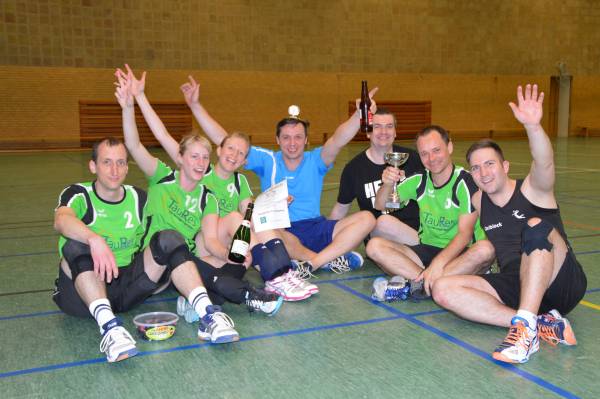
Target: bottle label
(240,247)
(370,117)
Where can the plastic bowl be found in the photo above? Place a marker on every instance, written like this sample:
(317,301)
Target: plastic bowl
(156,326)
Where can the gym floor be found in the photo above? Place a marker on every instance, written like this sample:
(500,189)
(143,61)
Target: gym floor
(337,344)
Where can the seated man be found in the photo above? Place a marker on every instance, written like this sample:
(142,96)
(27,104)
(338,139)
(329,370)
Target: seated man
(102,270)
(311,238)
(448,220)
(538,270)
(361,179)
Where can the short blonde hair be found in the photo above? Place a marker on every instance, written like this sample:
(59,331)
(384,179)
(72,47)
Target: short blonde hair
(239,135)
(191,138)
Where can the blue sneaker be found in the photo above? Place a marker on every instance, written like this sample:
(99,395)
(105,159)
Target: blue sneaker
(394,290)
(555,329)
(349,261)
(185,309)
(520,343)
(116,342)
(217,327)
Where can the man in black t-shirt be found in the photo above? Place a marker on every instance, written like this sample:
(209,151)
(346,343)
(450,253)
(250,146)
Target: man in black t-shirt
(361,179)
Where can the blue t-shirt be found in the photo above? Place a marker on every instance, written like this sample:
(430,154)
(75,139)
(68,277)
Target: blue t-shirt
(305,183)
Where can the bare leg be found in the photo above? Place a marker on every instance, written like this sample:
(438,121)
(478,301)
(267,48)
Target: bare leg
(473,261)
(394,259)
(472,298)
(87,285)
(393,229)
(348,233)
(295,247)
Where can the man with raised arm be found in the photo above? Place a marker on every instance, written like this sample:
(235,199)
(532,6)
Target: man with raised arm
(361,179)
(312,238)
(538,270)
(448,220)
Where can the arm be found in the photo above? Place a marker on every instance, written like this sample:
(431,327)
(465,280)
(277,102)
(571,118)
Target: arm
(389,176)
(345,132)
(211,240)
(191,92)
(146,162)
(69,225)
(339,211)
(462,238)
(529,112)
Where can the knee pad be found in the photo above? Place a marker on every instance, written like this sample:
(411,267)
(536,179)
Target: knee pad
(266,262)
(169,249)
(278,250)
(536,237)
(78,256)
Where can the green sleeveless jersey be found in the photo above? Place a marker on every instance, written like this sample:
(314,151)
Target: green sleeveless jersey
(229,192)
(170,207)
(440,207)
(119,223)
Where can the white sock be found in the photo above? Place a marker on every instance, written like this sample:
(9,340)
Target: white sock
(102,311)
(530,317)
(199,300)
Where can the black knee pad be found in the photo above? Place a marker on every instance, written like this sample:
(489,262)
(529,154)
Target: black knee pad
(267,263)
(169,249)
(536,237)
(78,256)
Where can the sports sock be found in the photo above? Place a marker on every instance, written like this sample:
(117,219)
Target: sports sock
(101,311)
(199,300)
(529,317)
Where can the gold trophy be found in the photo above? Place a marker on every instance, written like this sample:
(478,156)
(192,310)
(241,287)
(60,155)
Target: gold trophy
(395,159)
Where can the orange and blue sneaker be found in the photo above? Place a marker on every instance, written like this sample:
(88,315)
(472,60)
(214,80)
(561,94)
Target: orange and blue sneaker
(520,343)
(555,329)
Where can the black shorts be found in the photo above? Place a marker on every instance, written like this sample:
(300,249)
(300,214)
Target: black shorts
(130,289)
(426,252)
(565,292)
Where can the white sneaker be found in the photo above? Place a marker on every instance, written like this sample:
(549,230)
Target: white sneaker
(217,327)
(288,287)
(116,342)
(303,273)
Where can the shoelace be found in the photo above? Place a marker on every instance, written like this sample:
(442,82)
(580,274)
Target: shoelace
(339,265)
(303,271)
(517,335)
(220,317)
(548,332)
(108,337)
(257,302)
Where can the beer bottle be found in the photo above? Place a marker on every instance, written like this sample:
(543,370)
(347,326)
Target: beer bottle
(241,239)
(366,117)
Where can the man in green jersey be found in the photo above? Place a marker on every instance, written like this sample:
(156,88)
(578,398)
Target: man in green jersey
(448,221)
(102,270)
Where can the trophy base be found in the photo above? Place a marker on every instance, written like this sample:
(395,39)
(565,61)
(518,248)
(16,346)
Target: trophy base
(392,206)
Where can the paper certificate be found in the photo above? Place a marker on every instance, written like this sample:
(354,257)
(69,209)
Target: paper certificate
(271,208)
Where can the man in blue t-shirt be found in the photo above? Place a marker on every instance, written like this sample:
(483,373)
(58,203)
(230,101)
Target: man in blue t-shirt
(319,242)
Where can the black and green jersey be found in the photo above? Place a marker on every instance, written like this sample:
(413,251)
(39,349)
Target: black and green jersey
(170,207)
(440,207)
(120,223)
(229,192)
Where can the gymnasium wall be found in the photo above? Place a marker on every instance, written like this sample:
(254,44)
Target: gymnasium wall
(254,58)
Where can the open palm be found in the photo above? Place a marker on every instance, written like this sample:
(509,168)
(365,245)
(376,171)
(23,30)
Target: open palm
(529,110)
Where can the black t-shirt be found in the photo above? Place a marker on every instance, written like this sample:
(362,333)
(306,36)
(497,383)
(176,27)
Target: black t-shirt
(361,179)
(504,225)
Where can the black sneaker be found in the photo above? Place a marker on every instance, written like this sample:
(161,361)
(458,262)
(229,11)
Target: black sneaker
(263,301)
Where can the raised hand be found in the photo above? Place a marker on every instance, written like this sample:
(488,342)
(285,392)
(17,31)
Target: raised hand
(123,90)
(529,109)
(373,103)
(136,85)
(191,91)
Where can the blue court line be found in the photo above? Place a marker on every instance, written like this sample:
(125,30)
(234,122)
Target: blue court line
(486,356)
(195,346)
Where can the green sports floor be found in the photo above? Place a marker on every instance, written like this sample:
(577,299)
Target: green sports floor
(338,344)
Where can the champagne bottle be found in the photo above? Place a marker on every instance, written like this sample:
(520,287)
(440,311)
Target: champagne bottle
(241,239)
(366,117)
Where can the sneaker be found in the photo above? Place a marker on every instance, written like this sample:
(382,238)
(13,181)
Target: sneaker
(417,291)
(555,329)
(288,286)
(520,343)
(116,342)
(260,300)
(303,274)
(345,263)
(396,289)
(185,309)
(217,327)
